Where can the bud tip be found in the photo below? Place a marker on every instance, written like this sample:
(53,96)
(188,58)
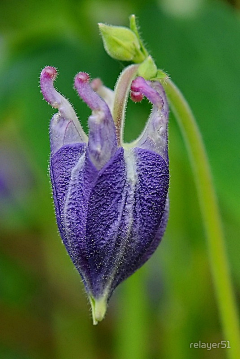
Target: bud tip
(49,72)
(81,78)
(99,308)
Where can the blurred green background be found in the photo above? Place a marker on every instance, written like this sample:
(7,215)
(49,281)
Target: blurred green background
(170,302)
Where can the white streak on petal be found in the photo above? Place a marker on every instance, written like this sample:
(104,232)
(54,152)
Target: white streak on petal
(126,214)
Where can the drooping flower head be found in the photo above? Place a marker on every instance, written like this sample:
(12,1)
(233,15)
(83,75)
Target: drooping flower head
(110,197)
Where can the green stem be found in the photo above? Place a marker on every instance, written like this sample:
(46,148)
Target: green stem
(132,325)
(210,212)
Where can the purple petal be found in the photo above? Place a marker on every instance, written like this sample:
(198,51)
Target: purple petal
(150,212)
(102,143)
(154,136)
(71,184)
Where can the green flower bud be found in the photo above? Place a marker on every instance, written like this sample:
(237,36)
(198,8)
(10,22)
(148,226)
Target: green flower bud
(147,69)
(121,43)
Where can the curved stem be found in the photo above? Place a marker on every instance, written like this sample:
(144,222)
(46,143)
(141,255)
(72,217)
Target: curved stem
(121,92)
(210,212)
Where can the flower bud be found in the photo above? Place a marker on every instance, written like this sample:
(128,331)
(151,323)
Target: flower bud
(111,198)
(121,43)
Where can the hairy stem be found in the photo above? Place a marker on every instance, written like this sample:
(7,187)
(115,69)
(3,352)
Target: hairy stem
(210,212)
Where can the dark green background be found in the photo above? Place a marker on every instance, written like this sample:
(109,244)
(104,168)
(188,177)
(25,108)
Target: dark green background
(170,302)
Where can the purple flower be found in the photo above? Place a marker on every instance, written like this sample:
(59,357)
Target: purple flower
(110,197)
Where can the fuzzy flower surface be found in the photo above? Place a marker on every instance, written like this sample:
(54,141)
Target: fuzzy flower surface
(111,198)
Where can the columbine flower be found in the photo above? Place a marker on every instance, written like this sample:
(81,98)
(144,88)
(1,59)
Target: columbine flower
(110,198)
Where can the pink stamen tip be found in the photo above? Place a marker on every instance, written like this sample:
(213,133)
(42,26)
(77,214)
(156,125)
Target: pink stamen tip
(49,72)
(135,85)
(136,96)
(82,77)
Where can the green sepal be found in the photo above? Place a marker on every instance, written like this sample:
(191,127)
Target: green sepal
(160,76)
(148,69)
